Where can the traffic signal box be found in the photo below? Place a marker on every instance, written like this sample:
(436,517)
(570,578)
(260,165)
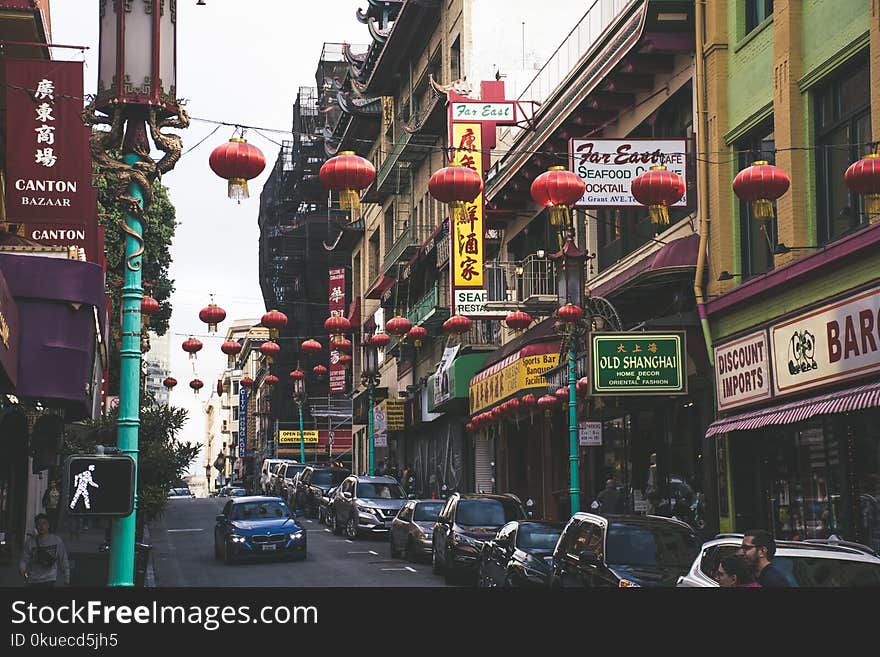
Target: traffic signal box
(99,486)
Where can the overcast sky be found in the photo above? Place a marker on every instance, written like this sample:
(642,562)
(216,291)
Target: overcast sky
(243,62)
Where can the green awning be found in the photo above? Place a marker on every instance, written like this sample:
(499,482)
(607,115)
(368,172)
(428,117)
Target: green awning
(459,377)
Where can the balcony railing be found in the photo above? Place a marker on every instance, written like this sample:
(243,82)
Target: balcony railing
(432,309)
(403,248)
(529,282)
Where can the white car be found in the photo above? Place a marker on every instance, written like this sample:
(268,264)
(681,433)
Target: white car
(810,563)
(180,493)
(267,470)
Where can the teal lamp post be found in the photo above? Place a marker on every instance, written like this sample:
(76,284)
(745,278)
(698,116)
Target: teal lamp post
(570,263)
(299,395)
(370,378)
(136,93)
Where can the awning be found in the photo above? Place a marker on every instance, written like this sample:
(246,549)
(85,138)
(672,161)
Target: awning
(354,312)
(380,287)
(841,401)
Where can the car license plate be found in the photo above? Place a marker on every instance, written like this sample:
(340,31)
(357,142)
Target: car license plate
(268,548)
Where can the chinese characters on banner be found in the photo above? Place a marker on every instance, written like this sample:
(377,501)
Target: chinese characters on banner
(467,230)
(48,171)
(336,305)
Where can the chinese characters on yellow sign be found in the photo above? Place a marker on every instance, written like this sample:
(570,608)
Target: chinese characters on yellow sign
(467,227)
(521,374)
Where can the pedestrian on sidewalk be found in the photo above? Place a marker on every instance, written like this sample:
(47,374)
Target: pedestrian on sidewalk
(758,548)
(735,572)
(43,554)
(51,500)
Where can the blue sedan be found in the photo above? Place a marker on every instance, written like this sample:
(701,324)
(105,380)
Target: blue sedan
(256,528)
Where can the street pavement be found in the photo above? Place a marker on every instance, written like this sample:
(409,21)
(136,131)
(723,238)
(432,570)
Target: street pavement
(183,556)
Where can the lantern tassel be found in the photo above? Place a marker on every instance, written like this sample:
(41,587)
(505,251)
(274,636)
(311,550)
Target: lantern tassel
(458,212)
(349,199)
(872,207)
(659,215)
(762,209)
(238,189)
(212,328)
(559,216)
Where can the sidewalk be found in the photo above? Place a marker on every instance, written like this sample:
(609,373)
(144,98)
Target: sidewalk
(88,565)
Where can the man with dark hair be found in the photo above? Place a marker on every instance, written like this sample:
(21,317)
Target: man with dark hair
(43,555)
(609,500)
(758,548)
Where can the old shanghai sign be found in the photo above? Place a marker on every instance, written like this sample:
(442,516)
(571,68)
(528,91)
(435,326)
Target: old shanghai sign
(834,343)
(742,371)
(48,174)
(638,364)
(608,167)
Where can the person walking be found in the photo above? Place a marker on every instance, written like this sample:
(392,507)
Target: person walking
(609,500)
(51,500)
(44,553)
(735,572)
(758,548)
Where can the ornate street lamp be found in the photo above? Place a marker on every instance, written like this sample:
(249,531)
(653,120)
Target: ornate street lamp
(137,91)
(570,262)
(299,394)
(370,378)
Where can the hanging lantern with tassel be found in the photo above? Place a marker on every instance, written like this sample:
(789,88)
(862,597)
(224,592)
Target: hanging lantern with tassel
(212,315)
(761,184)
(348,174)
(658,188)
(558,189)
(237,161)
(192,346)
(456,186)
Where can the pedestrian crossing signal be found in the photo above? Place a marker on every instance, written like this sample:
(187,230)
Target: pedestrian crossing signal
(101,486)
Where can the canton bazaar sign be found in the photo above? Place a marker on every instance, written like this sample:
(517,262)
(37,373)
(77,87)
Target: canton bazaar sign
(608,167)
(638,363)
(834,343)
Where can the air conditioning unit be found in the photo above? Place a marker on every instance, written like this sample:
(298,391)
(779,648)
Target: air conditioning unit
(224,427)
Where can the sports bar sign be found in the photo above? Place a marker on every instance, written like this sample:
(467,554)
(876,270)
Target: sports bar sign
(638,364)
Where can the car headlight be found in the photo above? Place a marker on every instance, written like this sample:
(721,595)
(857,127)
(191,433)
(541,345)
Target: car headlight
(461,539)
(367,509)
(628,584)
(295,536)
(238,539)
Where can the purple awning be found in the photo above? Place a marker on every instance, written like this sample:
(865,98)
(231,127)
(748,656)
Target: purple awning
(677,254)
(840,401)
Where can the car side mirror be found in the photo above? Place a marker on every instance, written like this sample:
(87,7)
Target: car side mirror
(220,518)
(411,496)
(588,557)
(346,495)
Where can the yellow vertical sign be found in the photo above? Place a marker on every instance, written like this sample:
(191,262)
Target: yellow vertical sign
(467,228)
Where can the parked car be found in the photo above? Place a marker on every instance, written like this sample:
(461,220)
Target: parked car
(412,530)
(623,551)
(253,527)
(466,522)
(237,492)
(180,493)
(814,563)
(285,481)
(366,504)
(313,484)
(267,470)
(520,555)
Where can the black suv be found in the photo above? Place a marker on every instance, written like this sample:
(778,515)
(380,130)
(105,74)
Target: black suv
(623,551)
(466,522)
(313,485)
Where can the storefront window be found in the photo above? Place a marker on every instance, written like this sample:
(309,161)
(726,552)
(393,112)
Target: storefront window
(757,238)
(864,461)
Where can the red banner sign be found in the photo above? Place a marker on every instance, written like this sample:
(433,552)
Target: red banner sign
(336,305)
(48,179)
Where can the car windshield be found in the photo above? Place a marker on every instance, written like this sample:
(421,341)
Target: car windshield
(654,545)
(293,470)
(379,491)
(428,511)
(484,513)
(238,492)
(328,477)
(270,510)
(537,537)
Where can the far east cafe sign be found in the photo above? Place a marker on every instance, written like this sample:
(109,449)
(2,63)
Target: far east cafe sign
(472,135)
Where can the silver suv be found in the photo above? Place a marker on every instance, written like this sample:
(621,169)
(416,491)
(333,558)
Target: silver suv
(810,563)
(366,505)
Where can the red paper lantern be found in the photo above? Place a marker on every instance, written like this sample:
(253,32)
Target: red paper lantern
(270,350)
(341,343)
(246,382)
(337,326)
(311,347)
(658,188)
(570,314)
(529,402)
(518,320)
(469,427)
(583,386)
(761,184)
(149,306)
(497,414)
(547,403)
(558,189)
(270,380)
(169,382)
(380,340)
(297,375)
(348,174)
(192,346)
(863,177)
(196,385)
(562,394)
(230,348)
(345,360)
(417,334)
(398,326)
(513,405)
(456,186)
(319,371)
(457,324)
(274,321)
(237,161)
(212,315)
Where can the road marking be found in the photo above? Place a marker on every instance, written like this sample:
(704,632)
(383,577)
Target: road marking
(196,529)
(412,570)
(392,569)
(367,552)
(348,541)
(326,530)
(374,553)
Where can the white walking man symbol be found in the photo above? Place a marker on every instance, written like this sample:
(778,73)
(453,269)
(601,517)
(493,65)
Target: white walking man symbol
(82,481)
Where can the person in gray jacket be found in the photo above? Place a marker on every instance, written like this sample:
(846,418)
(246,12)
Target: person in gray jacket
(44,553)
